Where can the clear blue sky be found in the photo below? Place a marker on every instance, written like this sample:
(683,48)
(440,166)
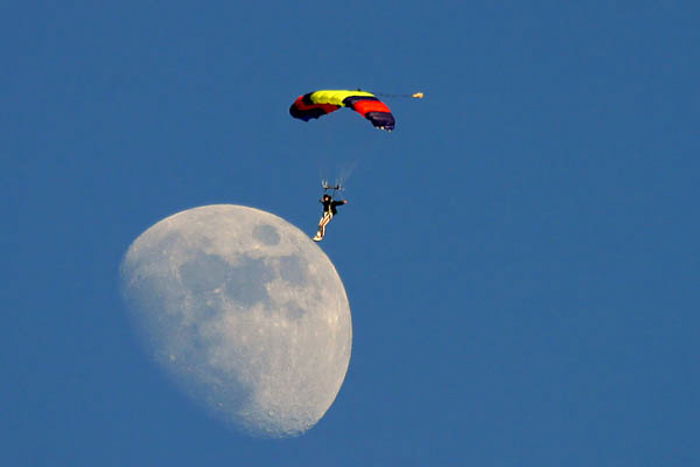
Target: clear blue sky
(521,254)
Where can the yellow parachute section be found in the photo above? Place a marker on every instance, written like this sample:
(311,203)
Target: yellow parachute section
(336,97)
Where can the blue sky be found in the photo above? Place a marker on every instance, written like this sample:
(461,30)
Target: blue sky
(520,255)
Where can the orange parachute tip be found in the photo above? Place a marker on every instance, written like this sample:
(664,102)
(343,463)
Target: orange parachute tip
(418,95)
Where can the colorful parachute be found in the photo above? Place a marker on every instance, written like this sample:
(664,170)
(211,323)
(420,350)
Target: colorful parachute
(319,103)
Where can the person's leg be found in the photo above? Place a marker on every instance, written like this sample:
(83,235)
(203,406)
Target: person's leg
(322,225)
(326,219)
(324,222)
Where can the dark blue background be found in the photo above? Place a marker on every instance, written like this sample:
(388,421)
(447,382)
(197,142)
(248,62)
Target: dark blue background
(521,254)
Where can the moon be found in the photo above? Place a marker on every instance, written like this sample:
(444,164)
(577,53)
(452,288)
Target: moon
(245,312)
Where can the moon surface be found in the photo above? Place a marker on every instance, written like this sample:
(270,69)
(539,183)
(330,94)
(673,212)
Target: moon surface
(247,314)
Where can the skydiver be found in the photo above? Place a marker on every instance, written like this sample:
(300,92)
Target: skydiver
(329,210)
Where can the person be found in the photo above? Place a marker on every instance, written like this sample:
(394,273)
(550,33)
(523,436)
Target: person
(329,210)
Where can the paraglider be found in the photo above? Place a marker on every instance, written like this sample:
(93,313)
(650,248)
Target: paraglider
(319,103)
(316,104)
(329,208)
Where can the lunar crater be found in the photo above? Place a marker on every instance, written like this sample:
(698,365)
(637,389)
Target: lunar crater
(266,234)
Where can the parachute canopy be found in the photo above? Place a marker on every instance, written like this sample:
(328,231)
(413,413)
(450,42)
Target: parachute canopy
(318,103)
